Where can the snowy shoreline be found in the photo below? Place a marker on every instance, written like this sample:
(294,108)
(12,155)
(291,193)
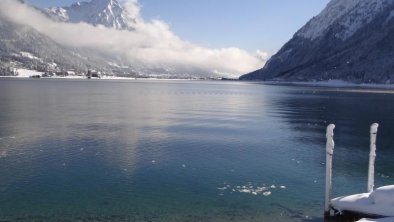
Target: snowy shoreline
(101,78)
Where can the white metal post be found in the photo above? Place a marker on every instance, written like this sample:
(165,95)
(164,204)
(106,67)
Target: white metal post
(329,152)
(372,156)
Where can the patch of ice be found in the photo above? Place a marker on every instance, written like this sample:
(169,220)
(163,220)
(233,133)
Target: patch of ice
(383,176)
(245,191)
(249,189)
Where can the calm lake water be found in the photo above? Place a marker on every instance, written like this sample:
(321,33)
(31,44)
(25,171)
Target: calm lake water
(183,150)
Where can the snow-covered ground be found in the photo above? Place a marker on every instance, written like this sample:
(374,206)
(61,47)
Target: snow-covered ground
(26,73)
(30,56)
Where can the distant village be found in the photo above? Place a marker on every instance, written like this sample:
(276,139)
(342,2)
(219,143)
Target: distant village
(14,72)
(27,65)
(89,74)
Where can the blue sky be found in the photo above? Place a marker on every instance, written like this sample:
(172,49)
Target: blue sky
(251,25)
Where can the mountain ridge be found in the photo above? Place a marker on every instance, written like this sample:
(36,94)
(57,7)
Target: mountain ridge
(355,46)
(109,13)
(24,47)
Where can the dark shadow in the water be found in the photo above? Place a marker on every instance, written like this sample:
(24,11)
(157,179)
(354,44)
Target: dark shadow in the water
(308,110)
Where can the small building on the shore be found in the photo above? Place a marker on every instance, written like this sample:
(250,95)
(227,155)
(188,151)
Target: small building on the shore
(93,74)
(70,73)
(65,73)
(49,74)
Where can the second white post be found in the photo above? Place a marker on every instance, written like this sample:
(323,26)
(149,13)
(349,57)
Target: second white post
(329,154)
(372,157)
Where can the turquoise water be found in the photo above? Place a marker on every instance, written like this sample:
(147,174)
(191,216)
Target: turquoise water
(80,150)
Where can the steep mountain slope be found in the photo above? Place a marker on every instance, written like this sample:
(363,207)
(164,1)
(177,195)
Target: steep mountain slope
(24,47)
(139,48)
(351,40)
(109,13)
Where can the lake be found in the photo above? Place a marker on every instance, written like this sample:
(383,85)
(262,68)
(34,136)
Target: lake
(156,150)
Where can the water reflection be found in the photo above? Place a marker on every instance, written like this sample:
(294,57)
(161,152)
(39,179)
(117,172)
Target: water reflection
(309,110)
(158,150)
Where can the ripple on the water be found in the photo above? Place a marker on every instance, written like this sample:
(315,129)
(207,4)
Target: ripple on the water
(3,154)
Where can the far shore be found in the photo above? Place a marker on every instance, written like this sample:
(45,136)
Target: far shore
(328,84)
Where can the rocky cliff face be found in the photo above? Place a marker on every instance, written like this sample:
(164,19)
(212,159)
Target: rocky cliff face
(351,40)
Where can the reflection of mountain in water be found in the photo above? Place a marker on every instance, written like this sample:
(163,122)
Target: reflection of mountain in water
(309,110)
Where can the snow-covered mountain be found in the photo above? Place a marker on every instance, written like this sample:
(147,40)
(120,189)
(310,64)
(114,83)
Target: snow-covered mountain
(24,47)
(139,49)
(350,15)
(109,13)
(349,40)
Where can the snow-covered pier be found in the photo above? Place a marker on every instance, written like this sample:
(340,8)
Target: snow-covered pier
(378,203)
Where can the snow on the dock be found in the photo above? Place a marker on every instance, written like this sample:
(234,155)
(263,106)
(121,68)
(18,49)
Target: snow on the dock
(380,202)
(387,219)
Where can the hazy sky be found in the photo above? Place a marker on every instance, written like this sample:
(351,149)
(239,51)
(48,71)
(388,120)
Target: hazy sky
(251,25)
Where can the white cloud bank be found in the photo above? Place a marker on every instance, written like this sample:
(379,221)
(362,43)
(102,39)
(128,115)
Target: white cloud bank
(152,43)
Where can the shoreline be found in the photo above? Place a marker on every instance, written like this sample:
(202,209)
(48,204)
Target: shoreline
(327,84)
(102,78)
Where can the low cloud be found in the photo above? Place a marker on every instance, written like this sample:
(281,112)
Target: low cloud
(152,43)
